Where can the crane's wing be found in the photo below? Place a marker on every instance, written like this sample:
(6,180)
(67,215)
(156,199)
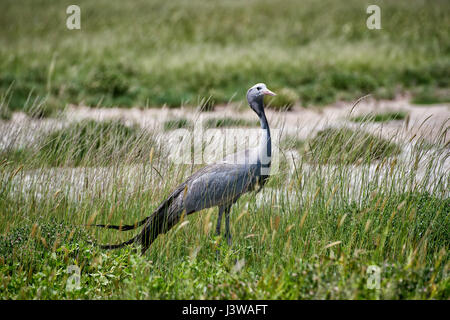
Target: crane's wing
(218,184)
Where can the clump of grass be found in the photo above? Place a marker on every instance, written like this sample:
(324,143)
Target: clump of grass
(284,100)
(177,124)
(110,84)
(20,155)
(5,112)
(95,143)
(34,105)
(429,95)
(291,143)
(38,108)
(346,146)
(381,117)
(229,122)
(211,98)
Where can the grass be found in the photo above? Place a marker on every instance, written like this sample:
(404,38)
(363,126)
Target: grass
(81,143)
(311,234)
(5,114)
(302,268)
(229,122)
(225,122)
(342,146)
(86,143)
(284,100)
(156,53)
(351,200)
(381,117)
(291,143)
(177,124)
(429,95)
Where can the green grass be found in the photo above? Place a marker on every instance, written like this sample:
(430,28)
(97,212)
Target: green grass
(177,124)
(312,236)
(342,146)
(350,201)
(429,95)
(229,122)
(86,143)
(287,259)
(284,100)
(83,142)
(157,53)
(290,142)
(5,112)
(381,117)
(210,123)
(16,155)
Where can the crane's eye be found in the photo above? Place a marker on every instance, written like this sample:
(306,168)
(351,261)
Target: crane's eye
(259,88)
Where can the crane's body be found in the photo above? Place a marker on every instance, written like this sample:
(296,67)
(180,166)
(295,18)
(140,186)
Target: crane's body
(220,184)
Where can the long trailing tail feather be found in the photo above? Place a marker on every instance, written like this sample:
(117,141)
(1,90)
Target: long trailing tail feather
(123,227)
(117,246)
(148,234)
(154,225)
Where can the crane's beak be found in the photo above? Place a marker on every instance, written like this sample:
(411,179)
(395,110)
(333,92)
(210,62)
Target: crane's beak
(269,93)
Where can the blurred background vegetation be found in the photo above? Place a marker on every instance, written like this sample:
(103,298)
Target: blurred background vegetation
(153,53)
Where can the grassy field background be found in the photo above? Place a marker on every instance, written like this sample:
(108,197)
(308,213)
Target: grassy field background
(351,198)
(154,53)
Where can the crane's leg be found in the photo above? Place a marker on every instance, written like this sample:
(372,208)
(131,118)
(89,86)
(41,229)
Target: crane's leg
(227,224)
(219,220)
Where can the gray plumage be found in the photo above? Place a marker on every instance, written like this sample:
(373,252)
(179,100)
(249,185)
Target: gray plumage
(220,184)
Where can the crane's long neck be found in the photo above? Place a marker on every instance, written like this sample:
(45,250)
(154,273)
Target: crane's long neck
(265,144)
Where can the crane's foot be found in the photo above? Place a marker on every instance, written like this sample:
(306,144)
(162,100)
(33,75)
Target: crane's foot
(220,243)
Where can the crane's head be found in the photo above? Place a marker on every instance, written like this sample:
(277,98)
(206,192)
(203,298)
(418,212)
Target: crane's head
(255,97)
